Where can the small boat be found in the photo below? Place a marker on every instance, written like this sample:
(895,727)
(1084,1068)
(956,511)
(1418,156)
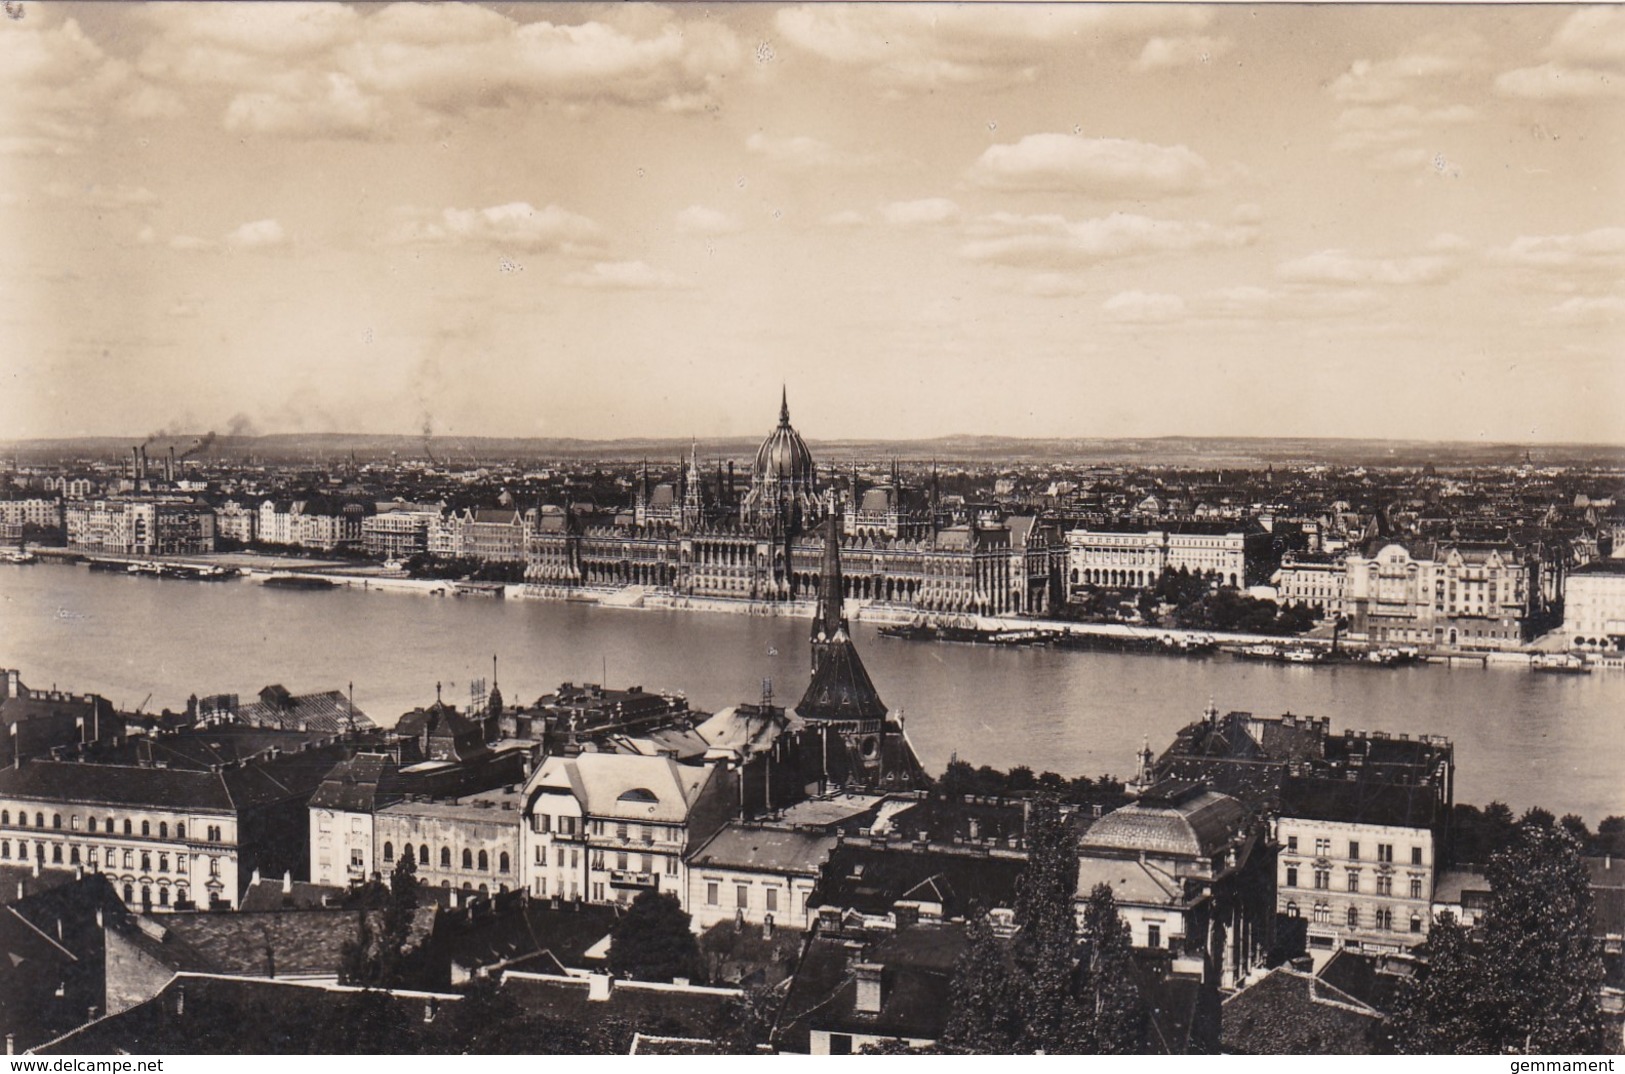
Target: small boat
(17,555)
(1560,664)
(300,581)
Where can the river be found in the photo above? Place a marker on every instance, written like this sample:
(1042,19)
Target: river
(1524,738)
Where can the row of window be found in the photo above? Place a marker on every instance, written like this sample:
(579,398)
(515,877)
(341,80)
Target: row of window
(770,895)
(213,833)
(471,861)
(1385,851)
(90,858)
(1323,881)
(1382,919)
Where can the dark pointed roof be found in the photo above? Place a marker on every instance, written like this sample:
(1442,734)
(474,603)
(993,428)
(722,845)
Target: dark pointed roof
(840,687)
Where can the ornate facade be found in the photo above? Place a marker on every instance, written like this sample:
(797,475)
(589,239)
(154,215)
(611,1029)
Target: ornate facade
(691,538)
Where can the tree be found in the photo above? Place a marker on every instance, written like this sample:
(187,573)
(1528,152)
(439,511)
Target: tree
(958,779)
(984,1014)
(1113,1016)
(1527,979)
(747,1022)
(1544,963)
(1047,937)
(653,941)
(1443,1009)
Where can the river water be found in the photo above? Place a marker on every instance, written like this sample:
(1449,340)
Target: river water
(1524,738)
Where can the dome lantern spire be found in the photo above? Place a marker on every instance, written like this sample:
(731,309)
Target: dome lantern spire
(784,405)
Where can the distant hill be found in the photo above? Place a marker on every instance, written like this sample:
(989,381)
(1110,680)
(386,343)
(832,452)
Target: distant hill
(1151,451)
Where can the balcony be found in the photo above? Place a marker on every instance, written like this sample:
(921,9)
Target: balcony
(624,878)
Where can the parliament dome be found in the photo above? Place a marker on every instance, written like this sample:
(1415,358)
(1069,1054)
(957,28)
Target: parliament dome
(784,456)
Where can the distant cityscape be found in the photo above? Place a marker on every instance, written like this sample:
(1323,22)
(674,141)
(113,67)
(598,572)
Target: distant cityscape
(1519,560)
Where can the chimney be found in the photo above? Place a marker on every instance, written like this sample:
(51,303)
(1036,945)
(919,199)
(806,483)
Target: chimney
(287,881)
(430,1009)
(870,992)
(180,1001)
(767,928)
(11,1044)
(599,987)
(454,898)
(254,878)
(99,922)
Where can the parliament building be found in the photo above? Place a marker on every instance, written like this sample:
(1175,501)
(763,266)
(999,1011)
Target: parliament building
(702,537)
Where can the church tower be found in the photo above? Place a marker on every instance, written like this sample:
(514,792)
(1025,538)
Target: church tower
(846,737)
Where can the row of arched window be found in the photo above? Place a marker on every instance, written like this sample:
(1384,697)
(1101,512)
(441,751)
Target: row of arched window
(109,825)
(1382,918)
(471,861)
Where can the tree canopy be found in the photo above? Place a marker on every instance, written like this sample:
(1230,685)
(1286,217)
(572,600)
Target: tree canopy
(653,941)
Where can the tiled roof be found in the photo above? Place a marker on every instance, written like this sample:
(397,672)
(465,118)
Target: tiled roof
(1399,805)
(665,1010)
(1291,1013)
(1196,825)
(769,850)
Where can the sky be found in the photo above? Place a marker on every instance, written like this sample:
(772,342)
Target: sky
(1057,220)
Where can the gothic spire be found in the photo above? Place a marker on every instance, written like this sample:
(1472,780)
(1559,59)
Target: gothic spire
(784,405)
(830,605)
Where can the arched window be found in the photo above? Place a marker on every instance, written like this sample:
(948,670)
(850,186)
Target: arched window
(109,825)
(468,859)
(129,859)
(56,854)
(146,896)
(5,816)
(389,851)
(146,828)
(5,848)
(163,896)
(445,857)
(22,819)
(146,862)
(1354,917)
(128,829)
(129,893)
(180,833)
(163,829)
(502,862)
(56,821)
(39,820)
(423,853)
(180,896)
(485,861)
(73,855)
(92,823)
(1291,909)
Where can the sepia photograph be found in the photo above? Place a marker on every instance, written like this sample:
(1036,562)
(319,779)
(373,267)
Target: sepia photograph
(895,528)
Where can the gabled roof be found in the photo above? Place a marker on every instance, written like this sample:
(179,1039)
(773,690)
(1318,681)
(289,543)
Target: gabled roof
(624,785)
(1289,1012)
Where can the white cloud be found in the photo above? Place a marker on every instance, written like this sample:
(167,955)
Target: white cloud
(1342,268)
(59,86)
(257,234)
(625,276)
(1097,167)
(1385,81)
(922,211)
(1165,52)
(1141,307)
(328,104)
(1602,250)
(516,225)
(922,47)
(700,220)
(1592,309)
(1556,81)
(325,70)
(1586,58)
(1051,242)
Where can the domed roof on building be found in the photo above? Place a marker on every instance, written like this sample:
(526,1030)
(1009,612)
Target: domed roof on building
(784,454)
(1178,819)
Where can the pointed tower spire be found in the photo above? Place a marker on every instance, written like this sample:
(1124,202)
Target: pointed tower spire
(784,405)
(830,619)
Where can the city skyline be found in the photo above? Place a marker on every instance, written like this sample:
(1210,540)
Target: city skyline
(1062,221)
